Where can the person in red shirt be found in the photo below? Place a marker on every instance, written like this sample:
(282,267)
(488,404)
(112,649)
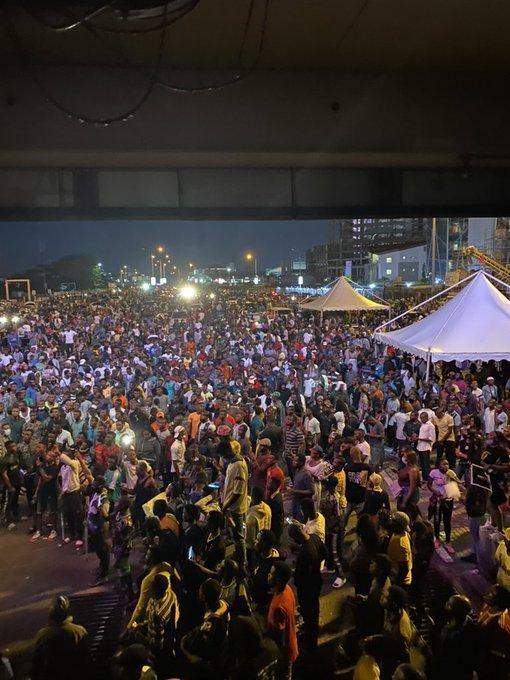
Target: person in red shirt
(275,484)
(281,617)
(224,418)
(106,450)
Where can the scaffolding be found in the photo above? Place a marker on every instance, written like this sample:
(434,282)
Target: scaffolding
(501,270)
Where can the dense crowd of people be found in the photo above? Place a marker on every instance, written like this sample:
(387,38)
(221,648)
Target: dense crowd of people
(227,465)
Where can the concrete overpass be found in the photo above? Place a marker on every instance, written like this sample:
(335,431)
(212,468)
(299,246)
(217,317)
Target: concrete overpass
(385,107)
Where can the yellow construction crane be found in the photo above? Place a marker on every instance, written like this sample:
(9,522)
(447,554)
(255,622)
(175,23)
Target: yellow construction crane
(499,269)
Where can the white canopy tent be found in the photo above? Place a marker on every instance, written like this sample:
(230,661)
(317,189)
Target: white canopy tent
(474,325)
(342,298)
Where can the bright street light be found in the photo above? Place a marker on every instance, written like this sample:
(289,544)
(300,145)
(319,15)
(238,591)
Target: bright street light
(249,257)
(160,249)
(188,292)
(99,264)
(145,285)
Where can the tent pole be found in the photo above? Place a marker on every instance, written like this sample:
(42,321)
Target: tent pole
(420,304)
(427,375)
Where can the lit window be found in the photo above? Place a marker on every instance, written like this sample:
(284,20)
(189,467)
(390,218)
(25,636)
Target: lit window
(388,272)
(388,259)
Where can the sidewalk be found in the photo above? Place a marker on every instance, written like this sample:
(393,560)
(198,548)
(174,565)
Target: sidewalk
(462,574)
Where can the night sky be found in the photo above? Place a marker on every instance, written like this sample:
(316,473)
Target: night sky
(117,243)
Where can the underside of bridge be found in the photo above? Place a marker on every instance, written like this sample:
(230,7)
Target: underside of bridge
(254,108)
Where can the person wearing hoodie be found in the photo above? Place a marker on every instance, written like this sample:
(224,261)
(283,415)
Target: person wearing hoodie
(257,519)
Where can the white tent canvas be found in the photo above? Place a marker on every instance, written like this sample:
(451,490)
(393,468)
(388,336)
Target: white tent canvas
(342,298)
(474,325)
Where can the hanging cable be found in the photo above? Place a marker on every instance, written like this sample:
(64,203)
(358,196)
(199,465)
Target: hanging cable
(82,118)
(242,75)
(85,21)
(75,24)
(180,13)
(345,33)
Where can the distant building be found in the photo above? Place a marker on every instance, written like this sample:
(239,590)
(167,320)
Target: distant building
(352,244)
(215,272)
(409,264)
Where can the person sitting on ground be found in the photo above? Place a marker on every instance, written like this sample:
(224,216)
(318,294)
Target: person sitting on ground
(206,645)
(157,565)
(134,662)
(372,651)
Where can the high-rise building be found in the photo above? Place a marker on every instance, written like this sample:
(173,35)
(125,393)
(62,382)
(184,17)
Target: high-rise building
(352,244)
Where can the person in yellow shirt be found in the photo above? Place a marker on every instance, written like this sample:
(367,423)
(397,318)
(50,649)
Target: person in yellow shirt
(367,667)
(502,560)
(339,472)
(399,550)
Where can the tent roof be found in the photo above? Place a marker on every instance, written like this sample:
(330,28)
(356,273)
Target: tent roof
(342,297)
(474,325)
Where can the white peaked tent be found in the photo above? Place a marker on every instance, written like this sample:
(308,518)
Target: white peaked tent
(342,298)
(474,326)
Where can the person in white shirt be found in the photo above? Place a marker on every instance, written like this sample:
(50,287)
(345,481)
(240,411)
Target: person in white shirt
(312,425)
(340,421)
(177,450)
(307,336)
(69,336)
(409,382)
(501,419)
(489,417)
(426,439)
(489,391)
(309,386)
(400,419)
(72,502)
(64,437)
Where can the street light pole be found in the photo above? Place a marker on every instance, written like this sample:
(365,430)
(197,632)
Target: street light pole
(433,249)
